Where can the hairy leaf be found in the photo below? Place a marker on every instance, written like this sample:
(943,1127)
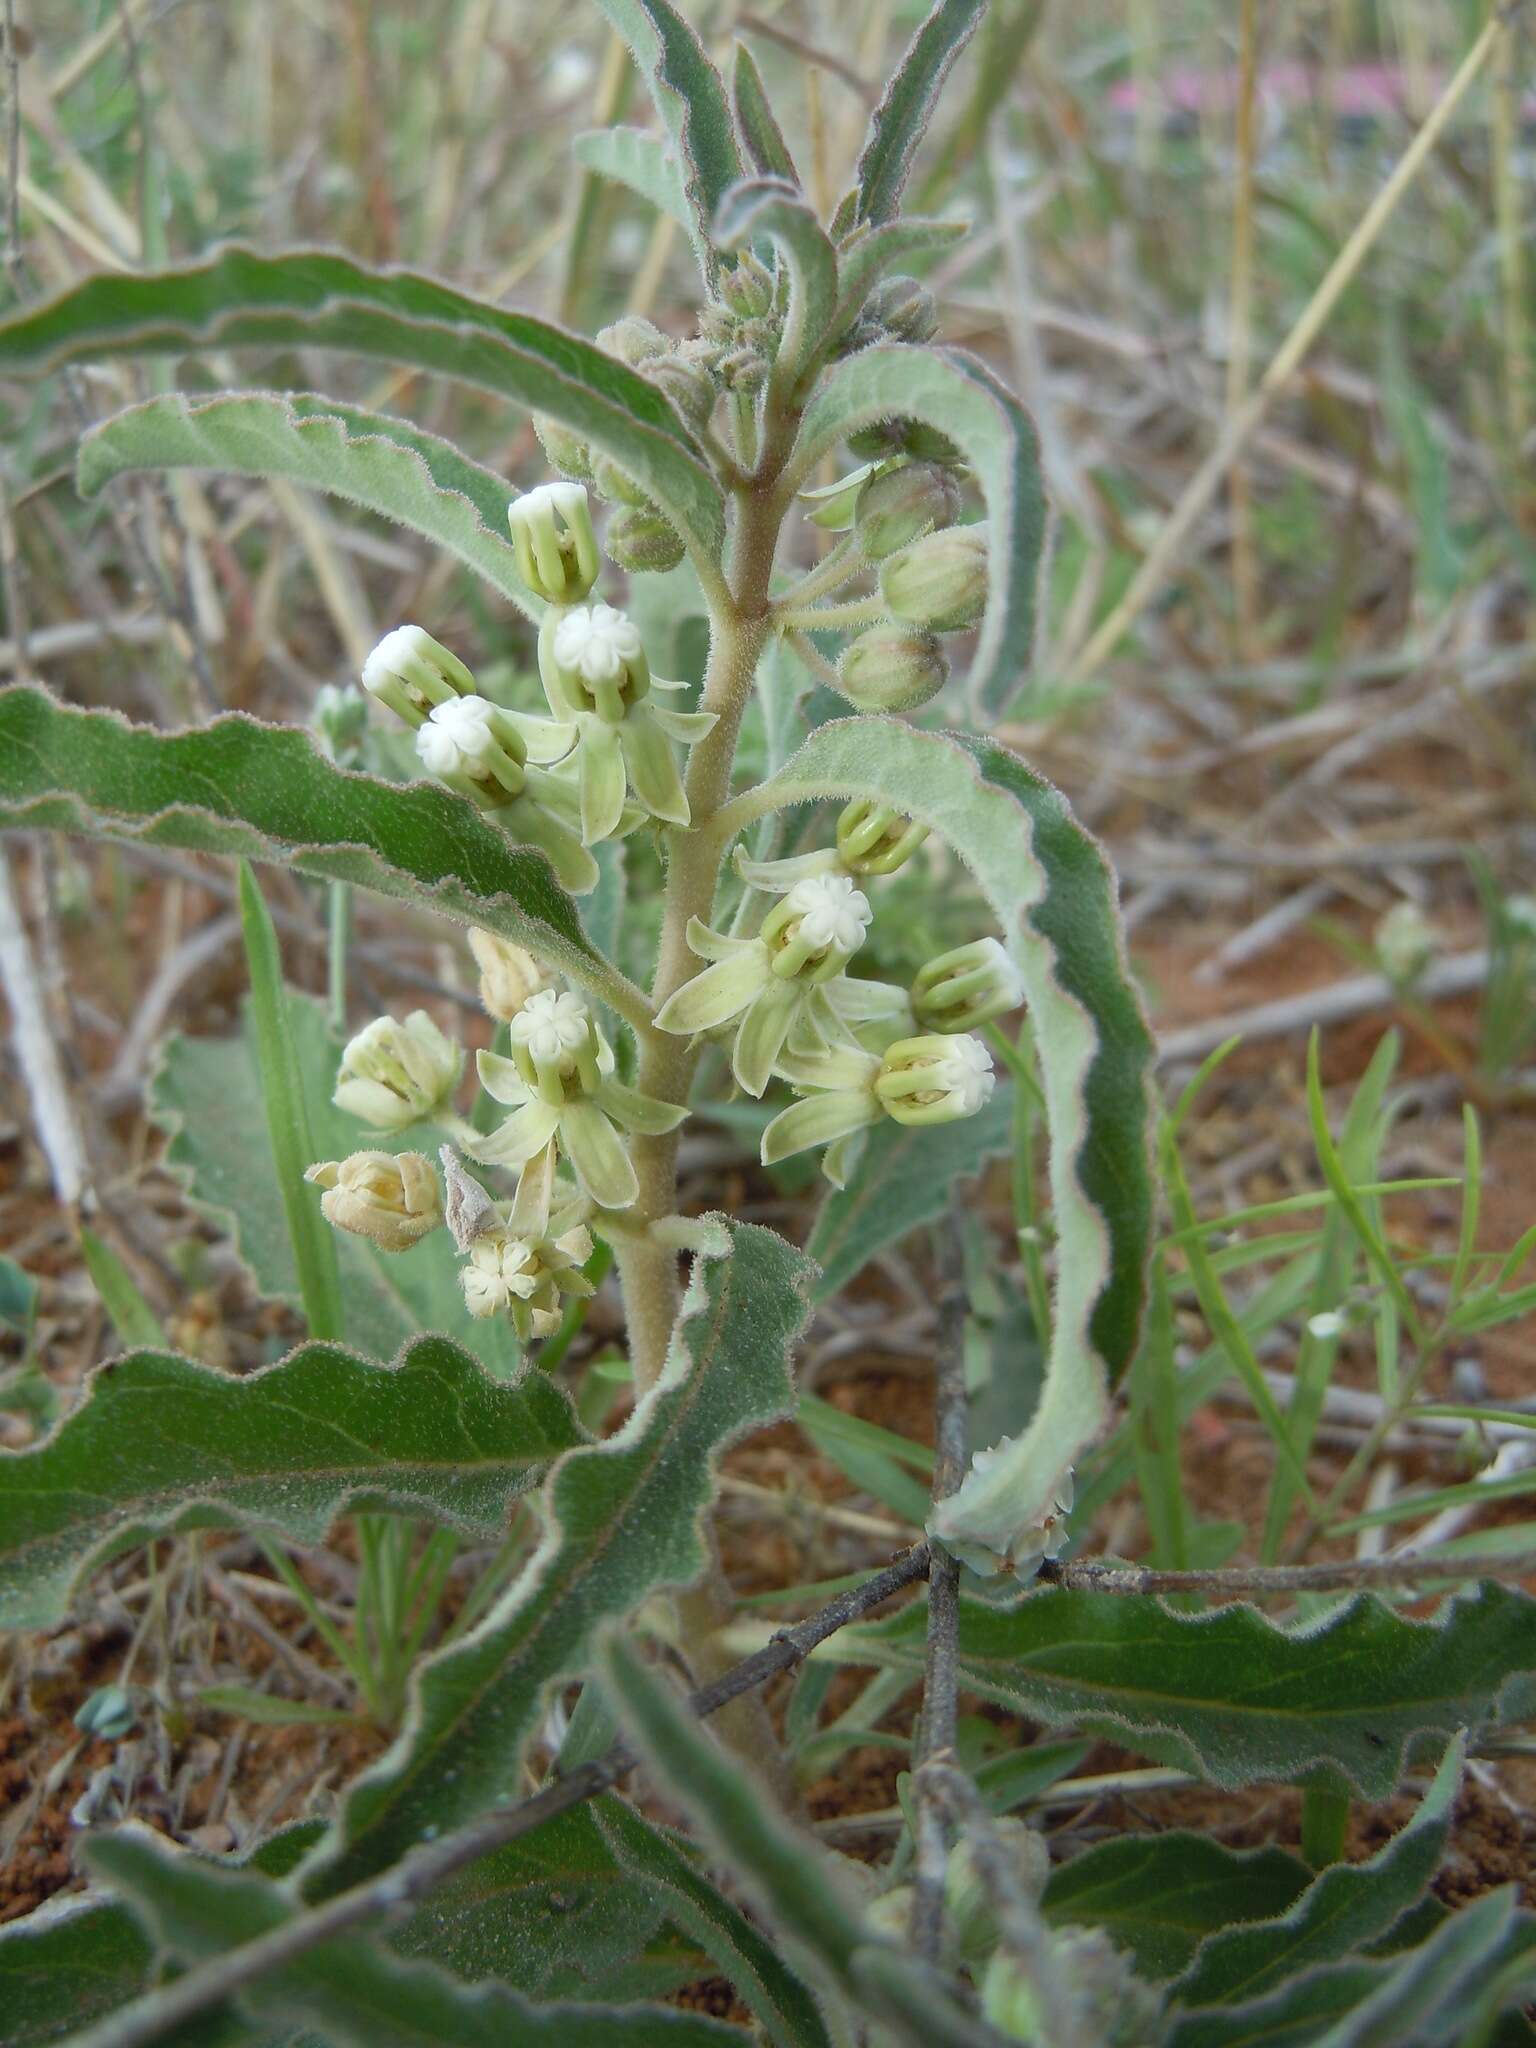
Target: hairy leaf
(317,298)
(961,397)
(350,1988)
(900,121)
(756,122)
(881,250)
(1346,1703)
(622,1519)
(1054,898)
(640,161)
(160,1443)
(690,97)
(772,207)
(382,464)
(268,793)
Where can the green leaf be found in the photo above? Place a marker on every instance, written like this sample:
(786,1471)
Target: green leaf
(962,398)
(1346,1908)
(621,1519)
(756,122)
(69,1963)
(269,1710)
(266,792)
(351,1989)
(316,298)
(1346,1703)
(690,98)
(159,1444)
(399,472)
(640,161)
(134,1320)
(903,1179)
(900,121)
(773,208)
(894,247)
(280,1090)
(205,1092)
(787,2009)
(1053,896)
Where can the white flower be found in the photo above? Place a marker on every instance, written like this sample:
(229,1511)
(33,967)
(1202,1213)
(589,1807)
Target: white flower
(410,672)
(832,912)
(934,1080)
(965,1073)
(553,540)
(1327,1323)
(597,642)
(499,1270)
(457,736)
(555,1026)
(394,1073)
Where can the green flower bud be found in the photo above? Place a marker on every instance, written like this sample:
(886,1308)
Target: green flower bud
(1405,943)
(748,289)
(690,388)
(411,672)
(633,340)
(873,839)
(566,450)
(1009,2001)
(966,988)
(891,668)
(109,1713)
(904,308)
(744,369)
(340,721)
(934,1080)
(968,1899)
(638,537)
(389,1198)
(903,504)
(393,1073)
(879,442)
(939,581)
(554,543)
(926,444)
(615,484)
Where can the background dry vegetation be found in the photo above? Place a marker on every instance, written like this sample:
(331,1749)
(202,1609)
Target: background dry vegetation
(1318,707)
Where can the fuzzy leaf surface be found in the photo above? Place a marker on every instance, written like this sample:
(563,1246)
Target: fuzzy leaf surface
(756,121)
(267,793)
(1347,1703)
(773,208)
(318,298)
(1054,898)
(622,1518)
(160,1443)
(898,124)
(386,466)
(641,162)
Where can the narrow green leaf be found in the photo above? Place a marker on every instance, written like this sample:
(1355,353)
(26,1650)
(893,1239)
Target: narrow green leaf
(404,475)
(899,123)
(621,1519)
(269,1710)
(756,122)
(1348,1702)
(266,792)
(282,1095)
(1337,1176)
(690,97)
(640,161)
(316,298)
(775,209)
(961,397)
(1160,1896)
(134,1320)
(160,1444)
(1054,898)
(351,1989)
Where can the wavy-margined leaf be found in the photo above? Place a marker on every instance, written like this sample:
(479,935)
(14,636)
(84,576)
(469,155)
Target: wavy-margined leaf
(1347,1703)
(1053,895)
(773,208)
(317,298)
(160,1443)
(269,794)
(961,397)
(351,1989)
(1160,1895)
(794,1881)
(640,161)
(382,464)
(899,123)
(903,1179)
(206,1093)
(622,1518)
(690,97)
(756,122)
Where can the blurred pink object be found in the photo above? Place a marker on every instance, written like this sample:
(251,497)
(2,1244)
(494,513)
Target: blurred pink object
(1357,92)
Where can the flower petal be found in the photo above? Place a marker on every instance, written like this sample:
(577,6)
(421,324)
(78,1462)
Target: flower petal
(761,1034)
(652,766)
(501,1080)
(687,726)
(526,1131)
(597,1156)
(819,1120)
(601,767)
(718,994)
(373,1103)
(572,863)
(637,1112)
(546,739)
(840,1066)
(709,944)
(778,877)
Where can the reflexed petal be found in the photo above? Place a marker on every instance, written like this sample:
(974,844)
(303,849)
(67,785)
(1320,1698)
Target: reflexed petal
(526,1131)
(819,1120)
(546,739)
(687,726)
(501,1080)
(712,945)
(808,1037)
(597,1156)
(637,1112)
(780,876)
(653,766)
(841,1157)
(760,1036)
(840,1067)
(573,865)
(601,766)
(718,994)
(857,1001)
(529,1214)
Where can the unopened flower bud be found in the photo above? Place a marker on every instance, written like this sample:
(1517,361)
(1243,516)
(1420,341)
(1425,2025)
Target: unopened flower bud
(634,340)
(966,988)
(593,659)
(509,975)
(615,484)
(873,839)
(939,581)
(554,543)
(393,1073)
(900,505)
(817,928)
(690,388)
(934,1080)
(748,288)
(389,1198)
(340,721)
(902,307)
(473,742)
(639,538)
(892,668)
(411,672)
(744,369)
(565,449)
(1405,943)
